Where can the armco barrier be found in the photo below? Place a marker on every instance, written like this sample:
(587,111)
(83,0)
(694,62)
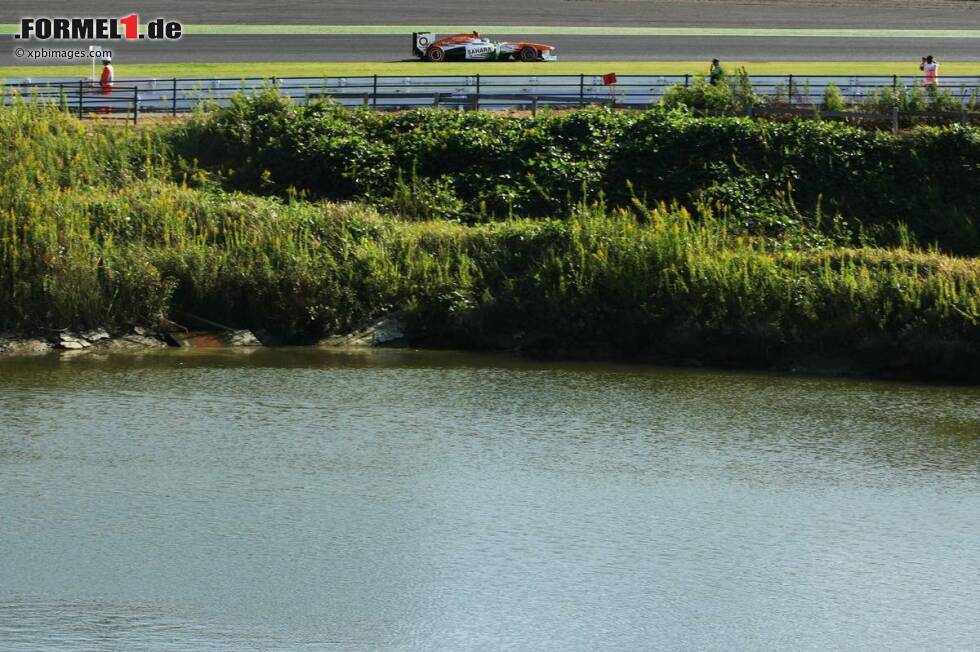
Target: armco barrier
(132,97)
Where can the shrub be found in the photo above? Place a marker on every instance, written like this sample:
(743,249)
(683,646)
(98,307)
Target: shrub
(730,94)
(484,166)
(93,237)
(943,99)
(667,283)
(833,100)
(474,167)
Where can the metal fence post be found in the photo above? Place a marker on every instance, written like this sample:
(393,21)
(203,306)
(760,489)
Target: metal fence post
(894,119)
(136,104)
(789,91)
(581,88)
(81,92)
(173,109)
(687,79)
(374,92)
(534,106)
(894,83)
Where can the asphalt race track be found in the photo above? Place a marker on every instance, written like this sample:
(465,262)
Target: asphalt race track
(570,48)
(849,14)
(909,14)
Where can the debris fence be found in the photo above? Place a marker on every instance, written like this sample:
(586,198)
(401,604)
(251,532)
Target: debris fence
(784,94)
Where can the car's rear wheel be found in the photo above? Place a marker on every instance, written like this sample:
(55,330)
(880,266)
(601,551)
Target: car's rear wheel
(529,54)
(435,54)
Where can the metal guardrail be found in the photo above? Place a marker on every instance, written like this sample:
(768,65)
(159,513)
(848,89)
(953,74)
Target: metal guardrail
(892,118)
(180,95)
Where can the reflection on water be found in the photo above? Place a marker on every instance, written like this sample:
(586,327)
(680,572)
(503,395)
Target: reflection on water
(33,625)
(306,499)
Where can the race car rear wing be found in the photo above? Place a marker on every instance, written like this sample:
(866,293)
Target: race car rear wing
(421,42)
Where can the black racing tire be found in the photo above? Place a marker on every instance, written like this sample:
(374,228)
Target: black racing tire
(529,54)
(435,54)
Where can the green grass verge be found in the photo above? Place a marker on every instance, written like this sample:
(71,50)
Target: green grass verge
(336,69)
(571,30)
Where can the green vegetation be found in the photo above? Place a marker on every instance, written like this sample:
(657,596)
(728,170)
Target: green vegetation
(851,184)
(403,68)
(736,95)
(113,226)
(729,94)
(833,100)
(918,98)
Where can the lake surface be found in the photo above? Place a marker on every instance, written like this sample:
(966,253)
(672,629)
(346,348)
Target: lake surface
(312,500)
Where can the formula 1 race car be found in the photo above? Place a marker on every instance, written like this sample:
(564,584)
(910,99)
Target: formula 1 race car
(473,47)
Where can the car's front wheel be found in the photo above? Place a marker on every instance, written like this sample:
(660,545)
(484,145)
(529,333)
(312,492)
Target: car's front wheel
(435,54)
(529,54)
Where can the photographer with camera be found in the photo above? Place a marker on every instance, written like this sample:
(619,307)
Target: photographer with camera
(716,74)
(931,70)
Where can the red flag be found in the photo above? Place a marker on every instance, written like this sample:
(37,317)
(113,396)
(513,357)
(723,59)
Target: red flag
(608,80)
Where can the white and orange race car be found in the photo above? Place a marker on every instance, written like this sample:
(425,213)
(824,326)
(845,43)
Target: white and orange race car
(473,47)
